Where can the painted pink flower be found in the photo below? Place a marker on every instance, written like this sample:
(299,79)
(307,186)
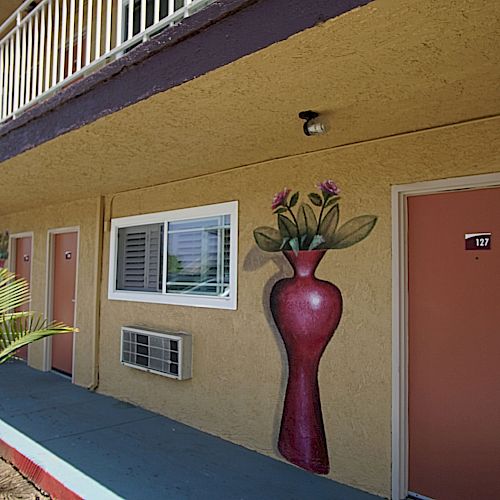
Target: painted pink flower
(329,187)
(280,198)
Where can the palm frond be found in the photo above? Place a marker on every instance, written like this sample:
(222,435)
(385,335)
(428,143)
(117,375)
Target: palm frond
(14,292)
(14,315)
(18,329)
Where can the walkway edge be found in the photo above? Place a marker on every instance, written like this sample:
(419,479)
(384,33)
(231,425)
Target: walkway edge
(50,473)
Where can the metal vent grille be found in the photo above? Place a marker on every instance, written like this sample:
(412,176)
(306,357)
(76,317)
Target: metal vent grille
(165,353)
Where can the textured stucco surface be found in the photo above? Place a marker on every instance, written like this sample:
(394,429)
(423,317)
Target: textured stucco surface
(239,371)
(383,69)
(223,32)
(84,214)
(237,387)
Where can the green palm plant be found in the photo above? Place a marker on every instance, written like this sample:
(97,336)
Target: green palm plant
(18,329)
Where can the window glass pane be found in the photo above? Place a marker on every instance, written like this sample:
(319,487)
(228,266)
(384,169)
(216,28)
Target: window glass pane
(198,256)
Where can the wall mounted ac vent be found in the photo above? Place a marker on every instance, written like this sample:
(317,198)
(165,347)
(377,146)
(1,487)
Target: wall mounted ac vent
(165,353)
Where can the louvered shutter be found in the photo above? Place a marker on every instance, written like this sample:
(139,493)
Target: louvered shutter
(140,258)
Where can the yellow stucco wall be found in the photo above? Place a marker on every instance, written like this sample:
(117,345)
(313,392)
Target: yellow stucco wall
(239,367)
(86,215)
(385,69)
(237,388)
(380,70)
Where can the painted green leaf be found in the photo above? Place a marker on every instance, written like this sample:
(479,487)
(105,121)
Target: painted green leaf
(332,201)
(315,199)
(294,244)
(294,199)
(316,242)
(268,239)
(287,227)
(280,210)
(353,231)
(307,224)
(329,225)
(284,242)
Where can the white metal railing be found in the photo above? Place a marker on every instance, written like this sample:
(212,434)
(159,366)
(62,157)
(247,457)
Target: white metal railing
(45,45)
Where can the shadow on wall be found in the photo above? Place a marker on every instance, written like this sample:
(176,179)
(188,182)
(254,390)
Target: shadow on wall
(255,259)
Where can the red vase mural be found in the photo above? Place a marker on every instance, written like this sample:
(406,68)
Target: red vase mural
(307,311)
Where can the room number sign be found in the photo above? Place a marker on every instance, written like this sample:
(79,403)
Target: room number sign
(478,241)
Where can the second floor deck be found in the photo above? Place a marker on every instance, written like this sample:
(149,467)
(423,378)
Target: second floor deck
(47,44)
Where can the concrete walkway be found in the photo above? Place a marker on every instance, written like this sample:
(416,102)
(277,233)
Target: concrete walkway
(137,454)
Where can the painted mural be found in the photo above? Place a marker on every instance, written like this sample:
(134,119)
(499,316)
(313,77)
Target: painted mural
(307,310)
(4,247)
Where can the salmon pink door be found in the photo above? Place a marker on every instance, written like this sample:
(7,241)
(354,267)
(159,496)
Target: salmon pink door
(22,268)
(63,298)
(454,345)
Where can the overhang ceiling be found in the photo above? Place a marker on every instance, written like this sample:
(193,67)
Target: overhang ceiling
(383,69)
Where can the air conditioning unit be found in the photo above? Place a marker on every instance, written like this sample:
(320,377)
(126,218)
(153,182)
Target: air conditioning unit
(166,353)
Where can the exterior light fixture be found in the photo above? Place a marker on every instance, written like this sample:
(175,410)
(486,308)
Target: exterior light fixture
(312,124)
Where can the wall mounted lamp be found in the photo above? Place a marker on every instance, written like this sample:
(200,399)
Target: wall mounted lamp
(312,124)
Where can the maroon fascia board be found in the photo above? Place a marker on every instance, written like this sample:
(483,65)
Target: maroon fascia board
(221,33)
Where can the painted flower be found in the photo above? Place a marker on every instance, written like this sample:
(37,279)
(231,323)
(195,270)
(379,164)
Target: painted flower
(301,229)
(280,198)
(329,187)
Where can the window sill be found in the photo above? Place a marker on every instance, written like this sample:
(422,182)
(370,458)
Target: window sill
(175,299)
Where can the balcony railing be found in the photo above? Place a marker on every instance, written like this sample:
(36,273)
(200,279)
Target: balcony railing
(45,45)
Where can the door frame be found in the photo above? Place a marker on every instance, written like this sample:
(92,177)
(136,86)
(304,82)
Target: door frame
(12,259)
(399,195)
(47,342)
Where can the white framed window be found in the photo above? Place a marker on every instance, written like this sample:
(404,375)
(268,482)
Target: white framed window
(182,257)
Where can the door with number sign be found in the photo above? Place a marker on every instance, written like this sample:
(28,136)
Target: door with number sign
(64,257)
(22,268)
(454,345)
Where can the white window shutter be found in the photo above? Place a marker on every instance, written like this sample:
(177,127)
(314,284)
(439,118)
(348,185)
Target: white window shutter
(140,257)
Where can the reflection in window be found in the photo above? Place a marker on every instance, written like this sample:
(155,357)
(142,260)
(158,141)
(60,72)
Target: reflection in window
(198,256)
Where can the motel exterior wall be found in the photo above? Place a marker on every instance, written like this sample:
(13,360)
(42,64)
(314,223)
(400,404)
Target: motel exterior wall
(239,365)
(86,216)
(383,70)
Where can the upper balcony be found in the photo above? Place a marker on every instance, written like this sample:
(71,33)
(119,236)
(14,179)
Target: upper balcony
(47,44)
(223,87)
(65,64)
